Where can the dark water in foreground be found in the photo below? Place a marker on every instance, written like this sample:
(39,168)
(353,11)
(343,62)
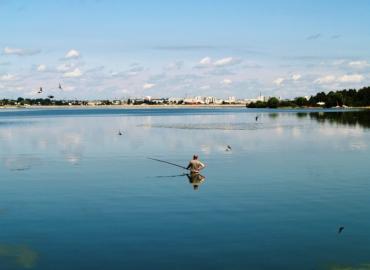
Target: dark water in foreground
(75,195)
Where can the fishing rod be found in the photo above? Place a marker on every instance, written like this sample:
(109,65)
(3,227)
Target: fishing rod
(173,164)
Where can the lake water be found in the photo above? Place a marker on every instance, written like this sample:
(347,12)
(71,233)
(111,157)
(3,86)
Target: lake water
(76,195)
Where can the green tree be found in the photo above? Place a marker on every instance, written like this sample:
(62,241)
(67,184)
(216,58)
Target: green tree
(273,103)
(301,101)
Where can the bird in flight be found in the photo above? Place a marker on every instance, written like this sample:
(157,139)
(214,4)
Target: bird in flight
(256,118)
(228,148)
(60,87)
(40,90)
(51,97)
(340,229)
(119,133)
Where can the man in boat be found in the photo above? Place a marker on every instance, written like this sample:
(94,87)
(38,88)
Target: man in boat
(195,166)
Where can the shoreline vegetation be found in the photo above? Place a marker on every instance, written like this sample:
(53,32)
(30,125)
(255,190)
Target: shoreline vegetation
(125,106)
(351,98)
(195,106)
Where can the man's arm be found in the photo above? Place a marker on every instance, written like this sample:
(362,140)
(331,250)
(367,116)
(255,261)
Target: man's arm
(189,166)
(202,166)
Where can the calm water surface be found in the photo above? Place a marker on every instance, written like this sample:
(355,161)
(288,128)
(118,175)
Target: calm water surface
(75,195)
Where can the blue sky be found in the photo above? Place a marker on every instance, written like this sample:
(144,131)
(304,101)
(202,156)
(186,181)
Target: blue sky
(115,49)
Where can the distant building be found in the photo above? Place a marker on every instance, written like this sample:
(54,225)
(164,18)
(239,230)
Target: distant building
(137,101)
(173,100)
(218,101)
(230,100)
(209,100)
(199,100)
(193,101)
(158,101)
(94,103)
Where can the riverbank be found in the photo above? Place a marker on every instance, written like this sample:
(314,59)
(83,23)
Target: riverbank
(213,106)
(177,106)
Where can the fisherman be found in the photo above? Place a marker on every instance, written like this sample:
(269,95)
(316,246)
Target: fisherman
(195,166)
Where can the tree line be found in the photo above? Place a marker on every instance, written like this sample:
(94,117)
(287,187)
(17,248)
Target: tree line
(39,101)
(350,98)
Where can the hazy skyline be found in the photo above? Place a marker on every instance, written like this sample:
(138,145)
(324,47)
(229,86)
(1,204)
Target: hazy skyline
(115,49)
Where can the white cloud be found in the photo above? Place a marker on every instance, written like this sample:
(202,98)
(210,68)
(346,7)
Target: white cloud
(351,78)
(223,61)
(296,77)
(73,74)
(278,81)
(226,81)
(325,79)
(16,51)
(359,64)
(177,65)
(41,68)
(148,85)
(204,87)
(7,77)
(205,61)
(72,54)
(64,67)
(19,51)
(68,88)
(339,62)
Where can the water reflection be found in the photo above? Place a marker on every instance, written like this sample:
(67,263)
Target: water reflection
(287,175)
(272,115)
(195,179)
(14,123)
(20,255)
(205,126)
(20,163)
(359,267)
(302,114)
(347,118)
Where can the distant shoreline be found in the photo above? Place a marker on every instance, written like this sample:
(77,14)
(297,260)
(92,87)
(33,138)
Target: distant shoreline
(177,106)
(124,106)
